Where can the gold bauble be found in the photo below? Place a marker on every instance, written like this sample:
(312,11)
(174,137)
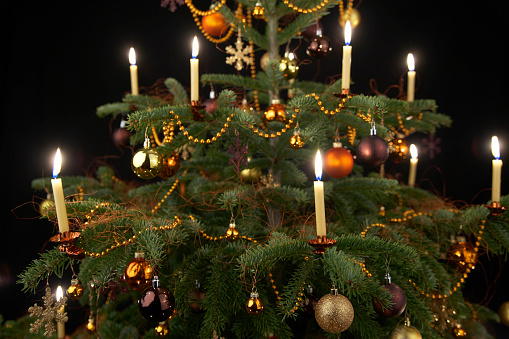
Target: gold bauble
(146,162)
(264,60)
(258,11)
(170,165)
(289,66)
(75,291)
(275,112)
(334,312)
(162,329)
(91,325)
(138,273)
(296,141)
(250,174)
(458,332)
(355,18)
(232,233)
(503,313)
(398,150)
(45,205)
(462,255)
(254,304)
(405,332)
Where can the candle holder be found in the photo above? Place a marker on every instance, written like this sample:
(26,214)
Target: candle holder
(196,107)
(496,208)
(66,244)
(321,243)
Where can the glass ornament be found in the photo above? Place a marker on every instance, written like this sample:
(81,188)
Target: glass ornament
(146,162)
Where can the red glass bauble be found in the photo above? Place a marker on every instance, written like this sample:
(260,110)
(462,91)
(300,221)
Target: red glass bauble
(156,303)
(338,162)
(398,300)
(214,24)
(319,47)
(372,151)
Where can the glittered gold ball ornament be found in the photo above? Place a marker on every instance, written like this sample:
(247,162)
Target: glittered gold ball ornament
(258,11)
(503,313)
(275,112)
(156,303)
(146,162)
(138,274)
(462,255)
(162,329)
(254,304)
(338,161)
(75,291)
(354,18)
(289,66)
(334,312)
(405,331)
(214,24)
(296,141)
(398,150)
(170,165)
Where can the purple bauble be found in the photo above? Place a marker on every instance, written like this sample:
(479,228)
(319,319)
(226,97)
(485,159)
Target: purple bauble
(398,300)
(156,304)
(372,151)
(319,47)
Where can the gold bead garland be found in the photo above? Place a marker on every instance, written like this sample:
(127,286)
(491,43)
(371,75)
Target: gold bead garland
(342,10)
(196,11)
(319,102)
(203,141)
(306,10)
(207,35)
(170,191)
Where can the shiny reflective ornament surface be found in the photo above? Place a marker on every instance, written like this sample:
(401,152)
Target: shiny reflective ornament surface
(156,303)
(334,312)
(146,162)
(275,112)
(405,332)
(162,329)
(121,137)
(232,233)
(458,331)
(296,141)
(215,24)
(398,301)
(75,291)
(372,151)
(338,161)
(258,11)
(398,150)
(254,304)
(138,274)
(289,66)
(170,165)
(250,174)
(319,47)
(91,324)
(462,255)
(503,313)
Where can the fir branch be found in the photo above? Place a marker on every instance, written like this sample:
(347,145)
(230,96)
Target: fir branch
(50,262)
(179,93)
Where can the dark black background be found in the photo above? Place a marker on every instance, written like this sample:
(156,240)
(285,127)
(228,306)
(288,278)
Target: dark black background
(60,60)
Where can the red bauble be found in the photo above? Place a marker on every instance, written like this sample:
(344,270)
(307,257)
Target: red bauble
(156,303)
(398,300)
(338,162)
(214,24)
(372,151)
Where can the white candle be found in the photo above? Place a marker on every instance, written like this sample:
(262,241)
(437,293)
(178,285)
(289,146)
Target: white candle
(319,198)
(347,57)
(411,78)
(195,75)
(58,194)
(413,165)
(61,310)
(134,72)
(497,170)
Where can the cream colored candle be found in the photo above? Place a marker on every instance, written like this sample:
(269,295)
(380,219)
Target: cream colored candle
(58,195)
(195,74)
(321,229)
(496,178)
(61,310)
(413,165)
(134,72)
(347,58)
(411,78)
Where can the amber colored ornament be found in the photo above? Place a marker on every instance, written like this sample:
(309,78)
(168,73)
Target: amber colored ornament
(254,304)
(372,151)
(334,312)
(311,31)
(296,141)
(355,18)
(405,331)
(162,329)
(462,255)
(289,66)
(458,331)
(398,150)
(91,324)
(250,174)
(503,313)
(258,11)
(232,233)
(170,165)
(146,162)
(275,112)
(319,47)
(215,24)
(138,273)
(338,161)
(398,300)
(156,303)
(75,291)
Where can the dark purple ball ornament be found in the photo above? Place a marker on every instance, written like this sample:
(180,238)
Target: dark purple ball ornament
(319,47)
(372,150)
(398,300)
(156,303)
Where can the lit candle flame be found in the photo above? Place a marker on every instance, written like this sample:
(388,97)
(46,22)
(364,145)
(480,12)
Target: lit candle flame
(59,293)
(132,56)
(410,62)
(318,166)
(195,48)
(413,151)
(495,147)
(57,163)
(348,33)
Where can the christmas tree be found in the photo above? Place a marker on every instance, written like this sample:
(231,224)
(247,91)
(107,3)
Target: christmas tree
(231,228)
